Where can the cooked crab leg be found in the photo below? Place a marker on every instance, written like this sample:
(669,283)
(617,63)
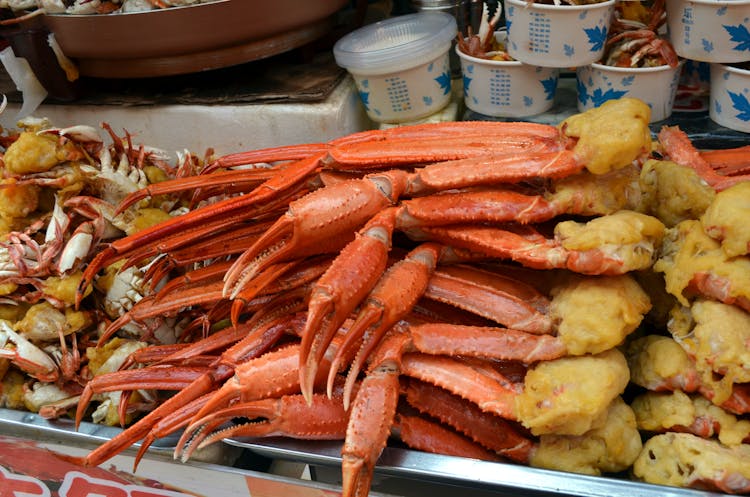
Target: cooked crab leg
(370,420)
(246,178)
(333,213)
(199,386)
(492,432)
(505,300)
(429,142)
(428,436)
(342,287)
(205,294)
(678,148)
(290,415)
(266,155)
(252,203)
(169,424)
(374,406)
(323,221)
(628,249)
(390,300)
(729,162)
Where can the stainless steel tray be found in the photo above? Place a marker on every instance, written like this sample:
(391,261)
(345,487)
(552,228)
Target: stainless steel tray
(29,425)
(467,473)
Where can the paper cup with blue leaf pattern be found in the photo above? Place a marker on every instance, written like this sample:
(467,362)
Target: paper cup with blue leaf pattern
(557,35)
(506,88)
(729,101)
(656,86)
(710,30)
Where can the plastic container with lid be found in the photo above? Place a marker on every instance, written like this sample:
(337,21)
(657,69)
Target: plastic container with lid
(401,65)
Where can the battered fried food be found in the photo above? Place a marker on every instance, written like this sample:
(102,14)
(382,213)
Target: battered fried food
(685,460)
(609,448)
(570,396)
(627,139)
(726,219)
(594,314)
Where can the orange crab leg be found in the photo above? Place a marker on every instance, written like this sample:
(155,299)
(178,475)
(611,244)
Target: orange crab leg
(487,130)
(204,275)
(728,162)
(524,244)
(321,222)
(342,287)
(374,406)
(169,424)
(492,169)
(680,149)
(433,142)
(290,416)
(429,436)
(253,203)
(505,300)
(231,242)
(290,276)
(200,385)
(270,375)
(161,378)
(492,432)
(476,341)
(150,307)
(464,378)
(370,421)
(248,178)
(390,300)
(495,206)
(266,155)
(258,285)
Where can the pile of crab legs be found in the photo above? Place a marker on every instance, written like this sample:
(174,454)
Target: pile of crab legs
(321,290)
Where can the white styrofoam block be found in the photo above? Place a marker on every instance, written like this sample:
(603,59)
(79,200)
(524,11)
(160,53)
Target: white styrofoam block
(225,128)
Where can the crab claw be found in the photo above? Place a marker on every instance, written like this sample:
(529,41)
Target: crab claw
(369,426)
(291,416)
(272,374)
(342,287)
(390,301)
(320,222)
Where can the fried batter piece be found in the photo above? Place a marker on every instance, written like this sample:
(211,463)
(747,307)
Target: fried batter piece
(595,314)
(609,448)
(716,336)
(693,262)
(571,395)
(629,236)
(658,412)
(672,192)
(685,460)
(627,139)
(726,219)
(658,362)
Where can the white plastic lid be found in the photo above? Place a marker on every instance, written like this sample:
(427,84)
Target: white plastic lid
(396,43)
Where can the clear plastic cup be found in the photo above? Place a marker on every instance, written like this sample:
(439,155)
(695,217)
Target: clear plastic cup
(401,65)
